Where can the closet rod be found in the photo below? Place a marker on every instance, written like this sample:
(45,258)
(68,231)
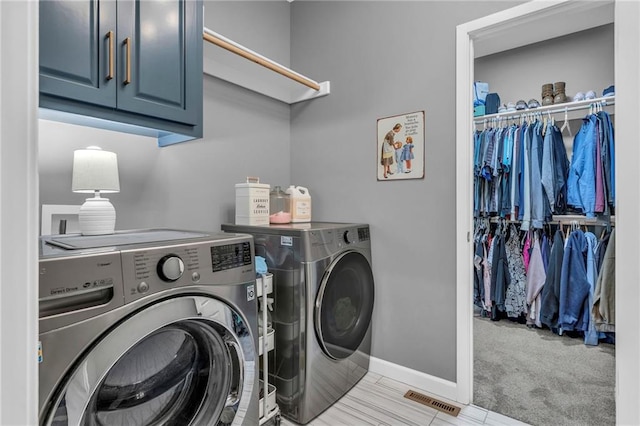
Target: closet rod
(238,49)
(549,109)
(562,220)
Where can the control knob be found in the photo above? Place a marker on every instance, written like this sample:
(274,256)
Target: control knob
(348,237)
(170,268)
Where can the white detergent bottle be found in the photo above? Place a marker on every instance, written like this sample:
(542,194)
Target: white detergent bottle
(300,203)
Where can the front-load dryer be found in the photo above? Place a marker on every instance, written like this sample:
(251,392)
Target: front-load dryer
(150,327)
(324,298)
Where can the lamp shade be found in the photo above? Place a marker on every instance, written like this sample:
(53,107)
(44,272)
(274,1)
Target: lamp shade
(95,170)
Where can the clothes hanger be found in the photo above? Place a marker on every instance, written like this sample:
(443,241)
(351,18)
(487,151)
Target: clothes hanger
(566,125)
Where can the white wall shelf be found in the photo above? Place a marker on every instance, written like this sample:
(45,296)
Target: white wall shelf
(230,61)
(574,109)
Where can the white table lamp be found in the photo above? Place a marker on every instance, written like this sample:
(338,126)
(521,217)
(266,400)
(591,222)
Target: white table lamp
(96,171)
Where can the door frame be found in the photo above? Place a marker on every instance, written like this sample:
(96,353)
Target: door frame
(516,27)
(19,205)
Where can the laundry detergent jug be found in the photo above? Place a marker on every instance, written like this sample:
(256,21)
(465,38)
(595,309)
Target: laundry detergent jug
(300,203)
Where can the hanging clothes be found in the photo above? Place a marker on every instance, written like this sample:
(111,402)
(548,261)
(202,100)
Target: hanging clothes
(550,302)
(520,172)
(604,310)
(608,156)
(500,277)
(535,282)
(574,285)
(591,335)
(581,191)
(538,212)
(515,303)
(591,181)
(555,169)
(478,276)
(486,263)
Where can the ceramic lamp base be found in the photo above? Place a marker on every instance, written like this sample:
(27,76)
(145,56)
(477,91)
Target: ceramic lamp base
(97,217)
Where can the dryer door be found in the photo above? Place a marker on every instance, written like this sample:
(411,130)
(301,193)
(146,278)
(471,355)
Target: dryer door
(344,305)
(184,361)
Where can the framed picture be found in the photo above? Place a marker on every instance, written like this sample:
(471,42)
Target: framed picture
(59,219)
(400,149)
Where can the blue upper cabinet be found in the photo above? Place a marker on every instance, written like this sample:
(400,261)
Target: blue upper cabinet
(77,50)
(134,62)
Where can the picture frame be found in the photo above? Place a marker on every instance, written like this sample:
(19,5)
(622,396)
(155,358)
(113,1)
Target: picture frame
(400,147)
(55,215)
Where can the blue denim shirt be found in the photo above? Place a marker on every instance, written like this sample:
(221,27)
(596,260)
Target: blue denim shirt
(581,184)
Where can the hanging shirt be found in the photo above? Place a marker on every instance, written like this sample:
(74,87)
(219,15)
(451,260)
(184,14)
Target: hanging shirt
(550,301)
(526,175)
(604,301)
(591,335)
(515,303)
(600,196)
(561,172)
(535,282)
(535,184)
(608,156)
(574,284)
(500,277)
(547,178)
(515,173)
(581,185)
(521,199)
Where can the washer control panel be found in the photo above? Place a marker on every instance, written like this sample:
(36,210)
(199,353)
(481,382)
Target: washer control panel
(151,270)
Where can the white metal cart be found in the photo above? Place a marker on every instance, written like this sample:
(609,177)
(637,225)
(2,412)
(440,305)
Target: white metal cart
(269,410)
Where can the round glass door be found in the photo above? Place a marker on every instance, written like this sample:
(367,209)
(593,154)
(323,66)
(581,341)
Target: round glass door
(190,371)
(165,379)
(344,305)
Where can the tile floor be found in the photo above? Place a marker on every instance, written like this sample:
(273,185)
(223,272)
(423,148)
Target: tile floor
(379,401)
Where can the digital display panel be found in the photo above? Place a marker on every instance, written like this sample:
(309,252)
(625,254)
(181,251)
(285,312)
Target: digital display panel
(230,256)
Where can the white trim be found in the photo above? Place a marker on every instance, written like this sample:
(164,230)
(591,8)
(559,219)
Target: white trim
(520,25)
(464,220)
(627,70)
(423,381)
(19,212)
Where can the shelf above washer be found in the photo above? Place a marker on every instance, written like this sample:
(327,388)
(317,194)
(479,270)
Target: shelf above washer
(230,61)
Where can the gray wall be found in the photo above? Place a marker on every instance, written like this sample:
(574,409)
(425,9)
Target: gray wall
(191,185)
(583,60)
(384,59)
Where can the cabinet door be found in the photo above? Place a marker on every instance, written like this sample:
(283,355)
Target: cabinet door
(160,59)
(75,42)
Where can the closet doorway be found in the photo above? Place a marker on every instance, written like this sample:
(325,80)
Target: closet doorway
(519,27)
(521,368)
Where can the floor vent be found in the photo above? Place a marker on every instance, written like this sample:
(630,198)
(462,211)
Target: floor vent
(452,410)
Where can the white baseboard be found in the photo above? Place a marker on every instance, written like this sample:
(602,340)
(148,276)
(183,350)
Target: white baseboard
(426,382)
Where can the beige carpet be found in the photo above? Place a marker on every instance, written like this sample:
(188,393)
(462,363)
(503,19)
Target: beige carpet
(541,378)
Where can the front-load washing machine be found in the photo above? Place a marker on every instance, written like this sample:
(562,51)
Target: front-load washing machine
(324,297)
(148,327)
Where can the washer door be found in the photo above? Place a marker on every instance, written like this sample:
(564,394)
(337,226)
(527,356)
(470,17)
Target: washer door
(344,305)
(184,361)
